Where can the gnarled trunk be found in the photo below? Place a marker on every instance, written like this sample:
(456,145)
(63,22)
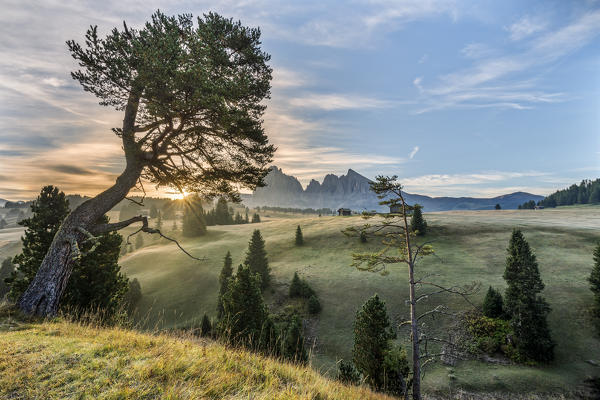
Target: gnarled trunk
(43,294)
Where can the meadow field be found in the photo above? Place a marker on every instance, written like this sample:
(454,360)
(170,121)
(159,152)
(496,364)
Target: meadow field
(470,246)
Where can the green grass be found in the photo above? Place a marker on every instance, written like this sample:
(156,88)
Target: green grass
(470,246)
(61,360)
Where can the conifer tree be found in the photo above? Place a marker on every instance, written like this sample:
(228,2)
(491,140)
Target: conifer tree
(159,220)
(493,304)
(226,273)
(205,326)
(153,211)
(299,238)
(293,343)
(270,339)
(246,219)
(417,222)
(314,305)
(244,311)
(498,206)
(527,310)
(595,286)
(194,223)
(255,218)
(3,223)
(256,258)
(372,336)
(222,215)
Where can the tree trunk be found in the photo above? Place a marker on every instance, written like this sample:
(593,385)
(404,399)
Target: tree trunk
(414,328)
(43,294)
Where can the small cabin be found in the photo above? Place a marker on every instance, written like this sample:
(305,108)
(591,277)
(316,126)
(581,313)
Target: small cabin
(344,211)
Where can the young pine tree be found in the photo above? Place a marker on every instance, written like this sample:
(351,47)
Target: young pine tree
(244,311)
(194,223)
(222,214)
(526,308)
(255,218)
(293,343)
(314,305)
(226,273)
(417,221)
(372,341)
(595,286)
(299,238)
(205,326)
(493,304)
(133,295)
(256,258)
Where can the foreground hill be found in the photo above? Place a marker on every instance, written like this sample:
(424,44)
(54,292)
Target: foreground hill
(61,360)
(353,191)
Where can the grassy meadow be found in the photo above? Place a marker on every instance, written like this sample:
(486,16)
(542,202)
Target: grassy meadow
(470,246)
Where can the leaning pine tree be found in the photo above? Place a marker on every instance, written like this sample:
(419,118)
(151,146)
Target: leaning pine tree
(256,258)
(526,308)
(192,97)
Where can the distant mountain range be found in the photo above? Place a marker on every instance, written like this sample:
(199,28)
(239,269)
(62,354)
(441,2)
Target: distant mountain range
(353,191)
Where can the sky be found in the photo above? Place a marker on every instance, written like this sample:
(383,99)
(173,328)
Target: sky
(457,98)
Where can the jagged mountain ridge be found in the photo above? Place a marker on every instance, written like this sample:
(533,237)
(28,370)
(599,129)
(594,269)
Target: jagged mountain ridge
(353,191)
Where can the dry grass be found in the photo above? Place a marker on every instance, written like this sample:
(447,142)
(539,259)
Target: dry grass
(62,360)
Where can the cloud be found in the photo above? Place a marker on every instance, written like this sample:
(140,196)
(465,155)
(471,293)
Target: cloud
(487,83)
(476,50)
(526,26)
(417,83)
(69,169)
(330,102)
(413,152)
(55,82)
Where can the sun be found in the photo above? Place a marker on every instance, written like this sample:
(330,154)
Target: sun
(179,196)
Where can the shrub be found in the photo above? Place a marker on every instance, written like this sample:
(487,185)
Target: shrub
(348,373)
(314,306)
(300,288)
(493,304)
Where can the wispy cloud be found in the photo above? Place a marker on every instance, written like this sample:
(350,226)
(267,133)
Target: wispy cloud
(485,85)
(413,152)
(330,102)
(526,26)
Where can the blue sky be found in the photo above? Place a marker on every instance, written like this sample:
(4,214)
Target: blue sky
(459,98)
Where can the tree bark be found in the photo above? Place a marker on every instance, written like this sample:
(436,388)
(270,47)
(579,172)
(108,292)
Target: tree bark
(43,294)
(414,328)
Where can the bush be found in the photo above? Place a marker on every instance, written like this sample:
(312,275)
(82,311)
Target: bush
(493,304)
(314,306)
(490,334)
(348,373)
(363,237)
(300,288)
(205,326)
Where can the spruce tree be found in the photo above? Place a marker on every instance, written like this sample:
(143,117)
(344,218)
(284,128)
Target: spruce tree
(205,326)
(299,238)
(314,305)
(417,221)
(527,310)
(222,215)
(348,373)
(244,311)
(372,336)
(498,207)
(493,304)
(194,223)
(293,343)
(153,211)
(595,286)
(256,258)
(226,273)
(270,339)
(49,210)
(159,220)
(6,269)
(255,218)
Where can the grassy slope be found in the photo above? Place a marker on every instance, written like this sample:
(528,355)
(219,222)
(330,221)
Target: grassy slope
(60,360)
(470,245)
